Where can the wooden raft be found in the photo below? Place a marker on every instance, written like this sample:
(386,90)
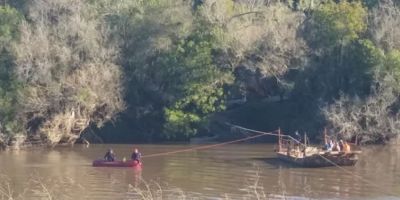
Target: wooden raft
(301,154)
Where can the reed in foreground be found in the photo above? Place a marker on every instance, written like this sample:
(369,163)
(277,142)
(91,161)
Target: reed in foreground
(49,189)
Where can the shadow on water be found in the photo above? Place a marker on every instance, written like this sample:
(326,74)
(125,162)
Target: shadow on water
(276,163)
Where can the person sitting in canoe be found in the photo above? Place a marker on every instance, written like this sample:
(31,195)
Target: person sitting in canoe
(136,155)
(110,156)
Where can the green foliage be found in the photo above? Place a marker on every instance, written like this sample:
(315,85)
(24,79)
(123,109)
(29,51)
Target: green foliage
(8,97)
(346,62)
(392,63)
(370,3)
(181,123)
(367,53)
(18,4)
(338,23)
(361,63)
(304,4)
(6,67)
(9,21)
(7,103)
(391,67)
(354,76)
(197,84)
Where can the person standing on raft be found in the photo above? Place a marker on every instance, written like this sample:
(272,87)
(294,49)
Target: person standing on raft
(136,155)
(110,156)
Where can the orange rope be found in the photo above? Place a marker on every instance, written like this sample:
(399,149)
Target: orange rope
(220,144)
(207,146)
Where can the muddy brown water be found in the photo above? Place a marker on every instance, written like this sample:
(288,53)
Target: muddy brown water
(226,171)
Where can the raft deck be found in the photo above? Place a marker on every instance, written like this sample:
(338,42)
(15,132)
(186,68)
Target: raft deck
(321,159)
(291,150)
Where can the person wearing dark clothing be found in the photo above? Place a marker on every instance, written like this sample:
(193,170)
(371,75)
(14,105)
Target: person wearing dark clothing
(136,155)
(110,156)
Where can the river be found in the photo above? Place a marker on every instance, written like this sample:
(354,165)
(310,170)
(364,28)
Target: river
(226,172)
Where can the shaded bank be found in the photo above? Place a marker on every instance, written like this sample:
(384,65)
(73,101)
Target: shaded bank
(288,115)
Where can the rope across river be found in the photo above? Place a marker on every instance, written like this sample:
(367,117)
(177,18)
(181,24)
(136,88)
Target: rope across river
(260,133)
(209,146)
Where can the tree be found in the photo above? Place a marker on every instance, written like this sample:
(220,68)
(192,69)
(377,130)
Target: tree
(372,119)
(260,42)
(384,25)
(10,19)
(198,86)
(68,70)
(376,117)
(147,31)
(391,68)
(336,24)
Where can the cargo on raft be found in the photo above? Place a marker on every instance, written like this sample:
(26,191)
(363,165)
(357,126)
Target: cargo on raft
(129,163)
(292,151)
(321,159)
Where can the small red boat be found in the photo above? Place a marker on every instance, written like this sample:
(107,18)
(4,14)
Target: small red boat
(128,163)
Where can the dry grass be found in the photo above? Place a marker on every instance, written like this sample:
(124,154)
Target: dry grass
(154,191)
(49,189)
(253,190)
(5,188)
(37,187)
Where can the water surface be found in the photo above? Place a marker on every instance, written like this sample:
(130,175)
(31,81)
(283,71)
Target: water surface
(66,173)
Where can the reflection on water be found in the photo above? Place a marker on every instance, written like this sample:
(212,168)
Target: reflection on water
(213,173)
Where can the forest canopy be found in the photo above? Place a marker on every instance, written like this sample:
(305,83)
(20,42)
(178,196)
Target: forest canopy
(173,69)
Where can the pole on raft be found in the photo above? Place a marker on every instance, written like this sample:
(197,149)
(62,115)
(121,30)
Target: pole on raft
(305,144)
(279,140)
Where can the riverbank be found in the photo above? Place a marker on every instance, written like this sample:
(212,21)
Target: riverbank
(259,115)
(287,116)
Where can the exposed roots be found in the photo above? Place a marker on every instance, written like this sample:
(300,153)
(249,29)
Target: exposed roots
(64,127)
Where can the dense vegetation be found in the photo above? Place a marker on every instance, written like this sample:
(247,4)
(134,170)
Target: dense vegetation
(170,69)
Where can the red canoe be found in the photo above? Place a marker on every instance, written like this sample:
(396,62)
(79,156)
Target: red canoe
(128,163)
